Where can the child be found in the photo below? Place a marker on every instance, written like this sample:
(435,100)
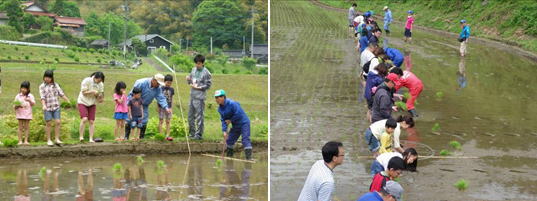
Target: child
(413,83)
(386,138)
(408,26)
(395,167)
(23,111)
(122,110)
(409,156)
(168,92)
(49,92)
(136,113)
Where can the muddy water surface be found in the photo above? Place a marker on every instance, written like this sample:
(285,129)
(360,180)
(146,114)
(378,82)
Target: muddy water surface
(485,101)
(94,178)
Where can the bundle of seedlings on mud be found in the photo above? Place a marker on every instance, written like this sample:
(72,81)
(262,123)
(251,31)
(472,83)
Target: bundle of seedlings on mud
(140,160)
(436,127)
(455,144)
(401,105)
(445,152)
(462,185)
(218,163)
(439,95)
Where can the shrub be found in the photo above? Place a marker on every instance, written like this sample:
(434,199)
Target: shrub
(98,60)
(16,48)
(159,137)
(9,33)
(249,63)
(177,128)
(263,71)
(77,59)
(182,62)
(9,57)
(57,59)
(37,126)
(10,142)
(27,57)
(225,71)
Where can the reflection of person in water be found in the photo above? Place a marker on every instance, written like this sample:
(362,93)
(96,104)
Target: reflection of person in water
(136,183)
(229,189)
(461,74)
(119,193)
(162,190)
(85,191)
(413,138)
(22,186)
(49,188)
(195,179)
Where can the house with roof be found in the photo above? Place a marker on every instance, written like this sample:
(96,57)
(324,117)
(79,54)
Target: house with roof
(99,44)
(260,53)
(3,19)
(152,41)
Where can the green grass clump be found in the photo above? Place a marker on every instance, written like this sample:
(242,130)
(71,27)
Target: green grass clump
(159,137)
(435,127)
(462,184)
(10,142)
(445,152)
(455,144)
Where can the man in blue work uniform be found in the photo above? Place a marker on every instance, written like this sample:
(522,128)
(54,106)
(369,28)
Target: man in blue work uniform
(387,19)
(150,90)
(232,113)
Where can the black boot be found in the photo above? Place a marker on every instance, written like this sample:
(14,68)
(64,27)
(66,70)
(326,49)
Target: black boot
(248,154)
(142,132)
(229,152)
(127,130)
(414,113)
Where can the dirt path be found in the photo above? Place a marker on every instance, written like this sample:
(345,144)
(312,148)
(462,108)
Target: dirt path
(154,64)
(496,43)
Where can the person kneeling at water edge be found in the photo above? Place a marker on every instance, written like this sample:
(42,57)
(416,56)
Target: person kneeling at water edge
(232,113)
(391,192)
(409,156)
(396,166)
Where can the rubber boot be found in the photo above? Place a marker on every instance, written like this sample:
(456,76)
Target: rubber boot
(142,132)
(414,113)
(248,154)
(127,130)
(229,152)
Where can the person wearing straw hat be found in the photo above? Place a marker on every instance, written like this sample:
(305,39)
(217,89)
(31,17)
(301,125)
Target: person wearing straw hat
(199,81)
(151,89)
(387,19)
(232,113)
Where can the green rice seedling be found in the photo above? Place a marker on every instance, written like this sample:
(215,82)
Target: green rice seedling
(455,144)
(140,160)
(17,103)
(401,105)
(161,164)
(439,94)
(218,163)
(445,152)
(436,127)
(42,173)
(117,167)
(462,184)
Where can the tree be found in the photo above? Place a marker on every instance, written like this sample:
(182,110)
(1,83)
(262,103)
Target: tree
(14,12)
(224,20)
(28,20)
(9,33)
(261,20)
(98,26)
(139,47)
(41,3)
(171,19)
(65,8)
(44,22)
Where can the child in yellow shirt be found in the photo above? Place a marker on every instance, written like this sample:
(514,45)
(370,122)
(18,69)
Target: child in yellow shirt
(386,139)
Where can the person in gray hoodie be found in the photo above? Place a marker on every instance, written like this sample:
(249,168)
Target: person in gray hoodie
(199,81)
(383,99)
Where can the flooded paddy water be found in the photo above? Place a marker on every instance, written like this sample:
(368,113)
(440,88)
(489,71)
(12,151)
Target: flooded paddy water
(159,177)
(485,101)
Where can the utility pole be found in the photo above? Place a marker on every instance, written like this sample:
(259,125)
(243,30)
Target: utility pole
(252,44)
(211,45)
(180,44)
(126,9)
(243,45)
(109,29)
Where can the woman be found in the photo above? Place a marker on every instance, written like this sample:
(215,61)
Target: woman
(373,133)
(91,91)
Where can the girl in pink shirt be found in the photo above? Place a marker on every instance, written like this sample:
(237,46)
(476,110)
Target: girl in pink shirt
(408,26)
(121,112)
(23,111)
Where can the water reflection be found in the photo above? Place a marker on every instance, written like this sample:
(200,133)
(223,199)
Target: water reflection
(177,179)
(461,74)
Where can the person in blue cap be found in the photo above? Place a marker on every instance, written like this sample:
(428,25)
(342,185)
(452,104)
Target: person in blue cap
(395,55)
(408,26)
(463,37)
(232,113)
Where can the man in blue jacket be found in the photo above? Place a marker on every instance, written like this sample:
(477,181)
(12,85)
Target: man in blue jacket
(395,55)
(463,37)
(150,90)
(232,113)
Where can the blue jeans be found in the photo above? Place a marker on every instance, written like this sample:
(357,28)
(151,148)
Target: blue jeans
(376,167)
(236,132)
(372,141)
(49,115)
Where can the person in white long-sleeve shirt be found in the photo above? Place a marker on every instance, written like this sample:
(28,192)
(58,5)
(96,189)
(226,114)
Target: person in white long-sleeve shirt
(320,183)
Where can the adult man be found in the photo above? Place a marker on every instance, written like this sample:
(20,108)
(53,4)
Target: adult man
(391,192)
(320,182)
(463,37)
(199,81)
(375,37)
(150,90)
(232,113)
(395,55)
(387,19)
(352,14)
(382,101)
(367,55)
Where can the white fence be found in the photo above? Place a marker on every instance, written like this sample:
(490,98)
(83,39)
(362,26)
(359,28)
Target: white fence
(33,44)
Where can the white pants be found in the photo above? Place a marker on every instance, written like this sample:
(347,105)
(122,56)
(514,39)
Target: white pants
(463,47)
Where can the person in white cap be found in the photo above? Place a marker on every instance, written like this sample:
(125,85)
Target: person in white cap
(391,192)
(387,19)
(151,89)
(199,81)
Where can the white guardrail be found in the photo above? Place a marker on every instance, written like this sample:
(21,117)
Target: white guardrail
(33,44)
